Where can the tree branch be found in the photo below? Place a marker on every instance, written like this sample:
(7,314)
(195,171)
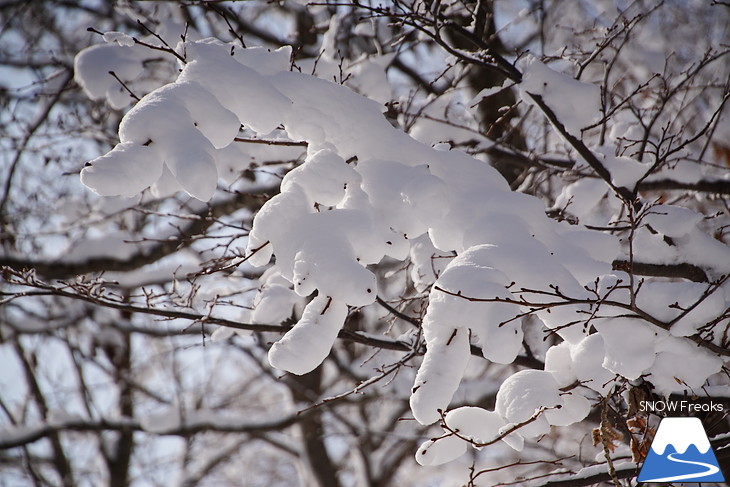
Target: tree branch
(578,480)
(13,277)
(30,132)
(627,195)
(563,300)
(682,270)
(720,186)
(206,218)
(187,427)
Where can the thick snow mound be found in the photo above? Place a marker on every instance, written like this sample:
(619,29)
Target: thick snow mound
(472,425)
(308,343)
(576,104)
(523,394)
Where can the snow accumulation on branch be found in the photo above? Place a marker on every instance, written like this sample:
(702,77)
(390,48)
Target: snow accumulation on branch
(367,191)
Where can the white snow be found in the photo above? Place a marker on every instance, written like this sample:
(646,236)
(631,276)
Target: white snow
(428,262)
(119,37)
(674,221)
(476,424)
(126,170)
(681,365)
(275,299)
(439,451)
(559,363)
(324,177)
(625,171)
(493,323)
(575,103)
(588,357)
(440,372)
(92,67)
(180,124)
(629,345)
(581,197)
(471,423)
(308,343)
(575,408)
(242,89)
(523,394)
(696,248)
(666,301)
(487,92)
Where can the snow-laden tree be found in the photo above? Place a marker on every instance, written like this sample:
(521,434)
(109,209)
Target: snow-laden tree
(346,243)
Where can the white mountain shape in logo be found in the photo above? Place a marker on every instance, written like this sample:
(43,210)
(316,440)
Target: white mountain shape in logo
(680,433)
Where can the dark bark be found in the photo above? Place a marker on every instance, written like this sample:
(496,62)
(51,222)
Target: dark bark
(306,389)
(682,270)
(119,460)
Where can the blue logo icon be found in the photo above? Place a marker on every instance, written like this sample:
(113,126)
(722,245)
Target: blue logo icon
(681,451)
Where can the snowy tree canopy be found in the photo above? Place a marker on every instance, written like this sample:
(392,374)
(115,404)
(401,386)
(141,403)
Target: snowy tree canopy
(519,215)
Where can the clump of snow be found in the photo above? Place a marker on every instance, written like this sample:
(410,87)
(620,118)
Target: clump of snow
(472,424)
(327,261)
(696,248)
(242,89)
(324,176)
(181,125)
(673,221)
(559,363)
(92,68)
(272,224)
(575,103)
(601,247)
(682,171)
(440,450)
(428,262)
(275,299)
(324,258)
(681,365)
(487,92)
(479,425)
(308,343)
(581,197)
(575,408)
(120,38)
(265,61)
(588,357)
(472,275)
(368,76)
(126,170)
(222,333)
(523,394)
(441,371)
(414,190)
(625,171)
(689,305)
(629,345)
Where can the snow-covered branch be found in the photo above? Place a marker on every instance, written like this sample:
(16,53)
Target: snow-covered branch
(469,227)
